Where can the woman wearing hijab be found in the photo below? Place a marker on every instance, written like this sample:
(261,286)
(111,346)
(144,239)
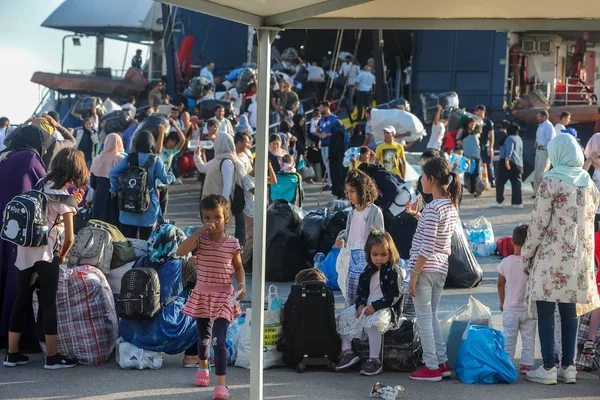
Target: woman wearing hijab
(298,139)
(21,167)
(222,172)
(142,224)
(104,206)
(558,256)
(171,331)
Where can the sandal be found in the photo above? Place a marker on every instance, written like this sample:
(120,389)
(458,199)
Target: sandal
(203,377)
(221,393)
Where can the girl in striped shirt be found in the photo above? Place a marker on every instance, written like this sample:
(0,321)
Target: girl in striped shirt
(429,262)
(217,260)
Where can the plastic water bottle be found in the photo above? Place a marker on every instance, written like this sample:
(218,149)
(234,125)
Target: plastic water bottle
(318,260)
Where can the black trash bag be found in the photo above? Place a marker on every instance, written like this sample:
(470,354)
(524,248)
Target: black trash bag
(448,100)
(311,230)
(338,205)
(245,79)
(197,85)
(84,107)
(116,121)
(286,256)
(387,183)
(430,103)
(459,117)
(402,230)
(280,217)
(479,184)
(206,108)
(463,269)
(402,351)
(150,124)
(336,223)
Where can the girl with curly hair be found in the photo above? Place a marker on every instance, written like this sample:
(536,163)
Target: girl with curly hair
(364,217)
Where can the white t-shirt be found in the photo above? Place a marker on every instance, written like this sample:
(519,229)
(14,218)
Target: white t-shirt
(559,128)
(516,282)
(252,110)
(365,81)
(27,256)
(350,71)
(245,159)
(314,123)
(238,97)
(437,135)
(358,226)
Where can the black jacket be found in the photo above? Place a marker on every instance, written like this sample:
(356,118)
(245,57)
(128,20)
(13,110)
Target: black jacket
(391,286)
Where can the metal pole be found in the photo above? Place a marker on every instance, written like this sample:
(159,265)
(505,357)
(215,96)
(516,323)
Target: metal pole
(260,211)
(99,51)
(62,59)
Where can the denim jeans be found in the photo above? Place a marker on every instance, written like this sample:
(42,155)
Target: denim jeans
(325,155)
(568,325)
(429,291)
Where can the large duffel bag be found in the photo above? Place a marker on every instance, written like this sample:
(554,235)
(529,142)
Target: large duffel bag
(281,216)
(84,107)
(150,124)
(402,350)
(88,327)
(336,223)
(311,230)
(116,121)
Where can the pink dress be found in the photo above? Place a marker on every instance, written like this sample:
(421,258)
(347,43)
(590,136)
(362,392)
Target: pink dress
(213,293)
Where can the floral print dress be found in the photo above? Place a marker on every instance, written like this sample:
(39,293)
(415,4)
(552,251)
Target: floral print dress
(559,251)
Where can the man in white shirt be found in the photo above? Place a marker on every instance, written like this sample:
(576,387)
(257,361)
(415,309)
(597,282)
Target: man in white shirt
(165,107)
(224,124)
(438,129)
(235,96)
(4,124)
(565,120)
(363,87)
(207,71)
(545,133)
(130,106)
(350,71)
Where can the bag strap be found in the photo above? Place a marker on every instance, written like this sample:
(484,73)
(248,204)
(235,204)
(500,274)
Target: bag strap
(169,301)
(149,162)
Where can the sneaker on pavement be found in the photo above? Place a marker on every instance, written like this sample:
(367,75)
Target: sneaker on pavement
(524,369)
(568,375)
(445,370)
(372,367)
(542,376)
(518,206)
(426,374)
(495,205)
(221,393)
(59,361)
(347,360)
(14,359)
(589,348)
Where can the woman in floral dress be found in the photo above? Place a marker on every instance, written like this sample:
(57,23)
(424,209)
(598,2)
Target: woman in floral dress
(558,256)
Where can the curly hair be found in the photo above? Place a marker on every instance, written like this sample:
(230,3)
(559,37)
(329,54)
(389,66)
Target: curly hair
(364,185)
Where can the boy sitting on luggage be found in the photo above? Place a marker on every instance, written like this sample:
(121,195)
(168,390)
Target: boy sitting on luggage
(308,275)
(512,283)
(379,290)
(391,154)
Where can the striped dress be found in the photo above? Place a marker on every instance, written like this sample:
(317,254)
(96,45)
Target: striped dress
(213,293)
(433,236)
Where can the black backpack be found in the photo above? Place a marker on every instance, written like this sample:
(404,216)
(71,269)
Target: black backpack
(286,256)
(237,199)
(134,196)
(25,219)
(139,298)
(309,327)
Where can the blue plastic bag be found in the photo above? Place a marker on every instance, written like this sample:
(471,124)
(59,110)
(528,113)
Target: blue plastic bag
(328,269)
(482,359)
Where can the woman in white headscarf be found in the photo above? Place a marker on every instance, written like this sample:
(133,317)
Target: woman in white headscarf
(104,206)
(223,172)
(558,256)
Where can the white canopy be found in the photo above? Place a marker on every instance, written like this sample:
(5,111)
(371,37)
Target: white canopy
(269,16)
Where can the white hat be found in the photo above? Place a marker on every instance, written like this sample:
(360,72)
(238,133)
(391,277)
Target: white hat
(390,129)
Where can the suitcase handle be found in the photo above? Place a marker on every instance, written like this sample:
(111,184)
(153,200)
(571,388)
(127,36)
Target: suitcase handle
(315,287)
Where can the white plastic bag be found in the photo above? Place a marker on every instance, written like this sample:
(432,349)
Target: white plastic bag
(402,120)
(481,237)
(131,357)
(271,333)
(315,74)
(474,311)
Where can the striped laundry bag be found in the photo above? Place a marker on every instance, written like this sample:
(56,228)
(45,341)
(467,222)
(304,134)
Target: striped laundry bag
(88,327)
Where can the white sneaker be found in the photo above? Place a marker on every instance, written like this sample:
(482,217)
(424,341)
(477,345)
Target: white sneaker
(568,375)
(495,205)
(542,376)
(517,206)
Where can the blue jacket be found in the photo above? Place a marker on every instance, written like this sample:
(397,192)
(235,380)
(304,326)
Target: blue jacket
(156,171)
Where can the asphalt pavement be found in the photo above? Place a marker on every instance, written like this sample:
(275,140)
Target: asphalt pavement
(174,382)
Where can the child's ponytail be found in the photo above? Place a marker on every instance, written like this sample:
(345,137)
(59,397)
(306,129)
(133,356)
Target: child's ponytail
(439,169)
(454,188)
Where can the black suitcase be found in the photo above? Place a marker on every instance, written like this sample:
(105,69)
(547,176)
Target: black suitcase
(309,334)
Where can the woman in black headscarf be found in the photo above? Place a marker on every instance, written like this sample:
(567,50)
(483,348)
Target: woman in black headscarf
(298,139)
(21,167)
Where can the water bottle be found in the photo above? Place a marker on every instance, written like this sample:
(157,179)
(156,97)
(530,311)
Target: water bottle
(318,260)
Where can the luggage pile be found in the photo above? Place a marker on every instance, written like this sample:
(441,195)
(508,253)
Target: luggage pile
(150,124)
(115,122)
(430,101)
(84,107)
(401,120)
(197,85)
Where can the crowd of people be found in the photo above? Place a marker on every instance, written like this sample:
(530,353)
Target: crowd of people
(124,178)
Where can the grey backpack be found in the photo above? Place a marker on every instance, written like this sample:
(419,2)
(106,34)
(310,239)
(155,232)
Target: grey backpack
(93,246)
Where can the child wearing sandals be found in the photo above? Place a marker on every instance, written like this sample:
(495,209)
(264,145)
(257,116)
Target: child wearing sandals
(217,260)
(377,304)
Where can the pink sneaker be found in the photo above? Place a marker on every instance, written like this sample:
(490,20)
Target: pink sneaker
(524,369)
(445,370)
(221,393)
(203,377)
(425,374)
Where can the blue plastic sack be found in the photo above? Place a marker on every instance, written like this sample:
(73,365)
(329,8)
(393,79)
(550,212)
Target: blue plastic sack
(482,359)
(328,269)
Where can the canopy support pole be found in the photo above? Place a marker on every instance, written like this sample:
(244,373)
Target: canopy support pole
(265,38)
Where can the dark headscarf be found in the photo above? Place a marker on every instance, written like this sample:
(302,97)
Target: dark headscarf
(31,138)
(284,127)
(145,143)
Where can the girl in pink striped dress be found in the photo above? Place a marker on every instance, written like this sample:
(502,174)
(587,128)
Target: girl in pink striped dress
(217,260)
